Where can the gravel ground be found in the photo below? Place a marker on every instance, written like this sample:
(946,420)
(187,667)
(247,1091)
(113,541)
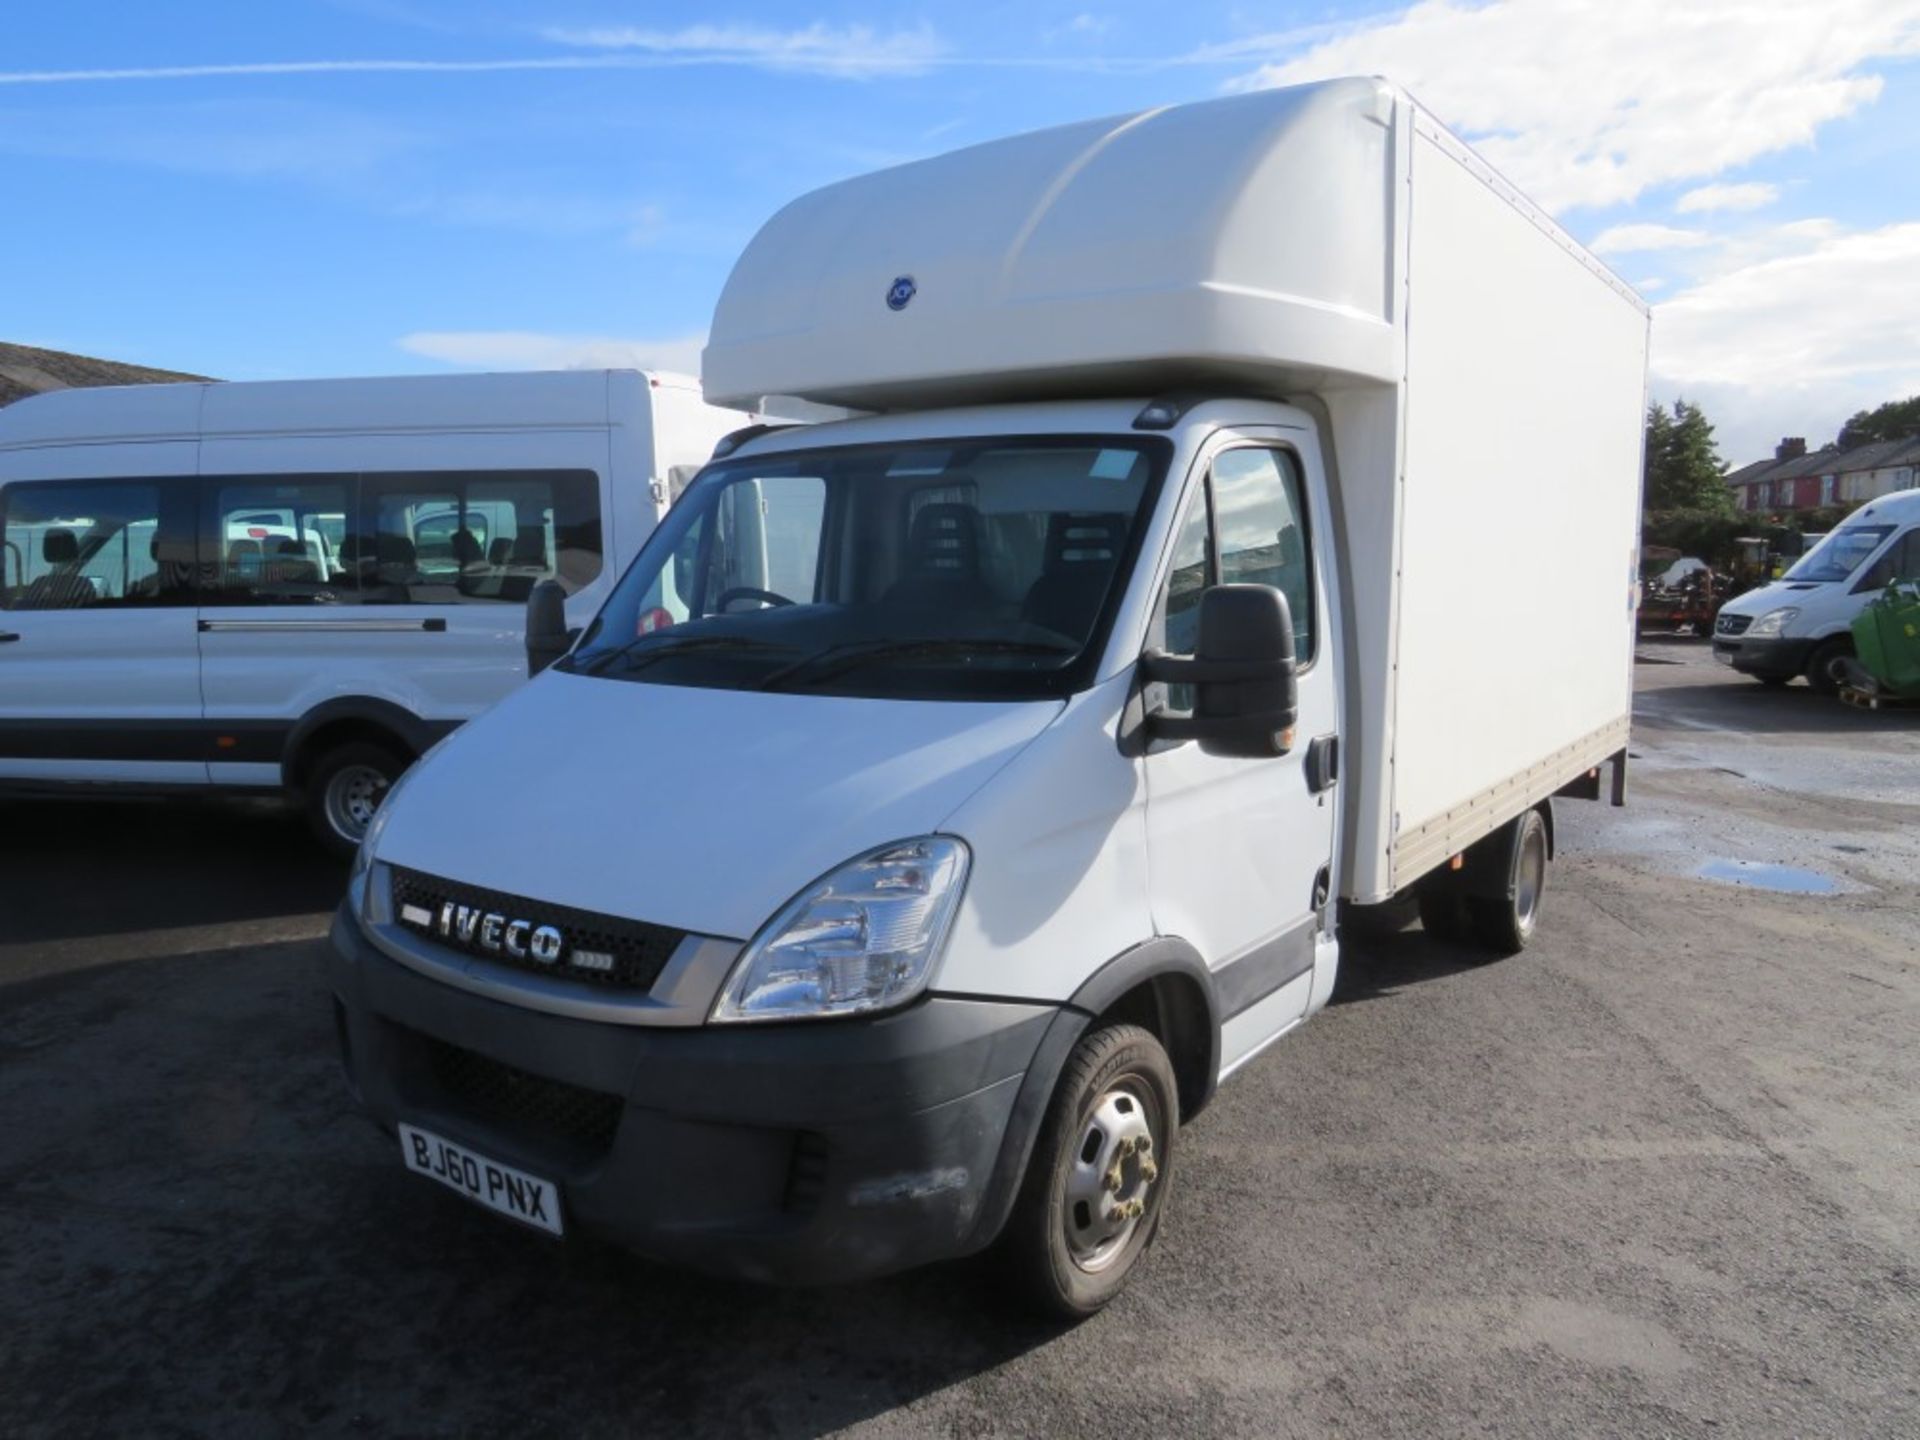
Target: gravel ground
(1657,1176)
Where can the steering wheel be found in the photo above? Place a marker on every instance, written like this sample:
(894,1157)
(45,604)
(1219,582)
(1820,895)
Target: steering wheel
(748,592)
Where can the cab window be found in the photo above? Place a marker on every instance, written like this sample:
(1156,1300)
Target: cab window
(1262,520)
(1247,527)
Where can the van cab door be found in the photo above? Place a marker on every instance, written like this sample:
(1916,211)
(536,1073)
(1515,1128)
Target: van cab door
(1241,849)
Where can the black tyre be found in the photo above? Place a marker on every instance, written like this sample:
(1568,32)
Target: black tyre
(1443,909)
(1505,923)
(344,789)
(1097,1183)
(1823,666)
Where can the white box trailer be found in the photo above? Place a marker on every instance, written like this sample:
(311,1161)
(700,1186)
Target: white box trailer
(949,798)
(1478,380)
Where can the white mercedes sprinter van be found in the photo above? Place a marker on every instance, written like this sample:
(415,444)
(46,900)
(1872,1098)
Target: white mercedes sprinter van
(302,585)
(947,800)
(1802,624)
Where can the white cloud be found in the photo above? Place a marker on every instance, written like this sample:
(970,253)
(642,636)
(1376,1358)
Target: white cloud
(1585,103)
(1651,283)
(1796,341)
(849,52)
(1750,196)
(532,350)
(1632,239)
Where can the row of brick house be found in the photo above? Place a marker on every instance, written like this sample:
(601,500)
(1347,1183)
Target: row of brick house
(1797,479)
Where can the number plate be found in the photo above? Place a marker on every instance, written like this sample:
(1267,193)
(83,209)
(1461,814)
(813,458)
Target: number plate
(501,1188)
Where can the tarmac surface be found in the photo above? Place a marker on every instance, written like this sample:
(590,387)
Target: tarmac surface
(1659,1175)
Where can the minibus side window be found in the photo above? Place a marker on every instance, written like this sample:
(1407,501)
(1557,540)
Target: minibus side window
(265,541)
(72,545)
(464,536)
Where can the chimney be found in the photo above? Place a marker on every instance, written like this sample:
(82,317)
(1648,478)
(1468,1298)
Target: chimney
(1791,447)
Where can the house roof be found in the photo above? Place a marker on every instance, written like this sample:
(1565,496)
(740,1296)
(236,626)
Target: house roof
(1879,455)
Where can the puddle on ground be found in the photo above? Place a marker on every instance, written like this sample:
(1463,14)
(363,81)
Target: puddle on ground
(1759,875)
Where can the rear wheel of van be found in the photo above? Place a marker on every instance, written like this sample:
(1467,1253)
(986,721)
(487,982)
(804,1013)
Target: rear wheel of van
(1096,1185)
(344,789)
(1504,923)
(1823,666)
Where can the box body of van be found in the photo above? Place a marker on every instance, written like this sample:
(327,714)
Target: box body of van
(1245,520)
(238,585)
(1802,624)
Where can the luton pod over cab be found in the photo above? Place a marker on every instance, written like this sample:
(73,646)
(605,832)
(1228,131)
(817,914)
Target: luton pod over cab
(948,799)
(302,585)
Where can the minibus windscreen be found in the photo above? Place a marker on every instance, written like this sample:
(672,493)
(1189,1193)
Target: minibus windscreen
(962,569)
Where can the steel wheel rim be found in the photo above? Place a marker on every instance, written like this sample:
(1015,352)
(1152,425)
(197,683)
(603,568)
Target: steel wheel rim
(1111,1182)
(354,793)
(1531,880)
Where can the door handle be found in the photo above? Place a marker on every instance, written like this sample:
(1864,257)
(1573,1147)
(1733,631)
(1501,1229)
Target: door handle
(1323,763)
(7,635)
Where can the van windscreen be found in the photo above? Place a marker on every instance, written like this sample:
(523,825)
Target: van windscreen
(963,569)
(1840,554)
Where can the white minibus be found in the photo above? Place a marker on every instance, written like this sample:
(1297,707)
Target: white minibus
(300,586)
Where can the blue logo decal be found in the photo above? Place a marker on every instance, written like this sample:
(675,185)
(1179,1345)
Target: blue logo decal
(900,294)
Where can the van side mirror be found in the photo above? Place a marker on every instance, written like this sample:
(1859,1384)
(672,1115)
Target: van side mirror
(1246,695)
(547,635)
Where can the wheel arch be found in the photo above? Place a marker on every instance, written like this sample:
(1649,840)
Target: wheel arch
(1163,980)
(351,718)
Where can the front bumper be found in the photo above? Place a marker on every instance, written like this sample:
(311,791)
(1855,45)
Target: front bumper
(1769,656)
(798,1153)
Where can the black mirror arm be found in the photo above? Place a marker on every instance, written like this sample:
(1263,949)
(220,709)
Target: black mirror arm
(1159,666)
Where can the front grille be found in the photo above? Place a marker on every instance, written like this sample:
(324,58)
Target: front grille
(523,1105)
(1732,624)
(602,950)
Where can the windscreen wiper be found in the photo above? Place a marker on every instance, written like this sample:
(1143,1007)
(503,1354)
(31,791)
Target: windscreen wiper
(662,648)
(851,654)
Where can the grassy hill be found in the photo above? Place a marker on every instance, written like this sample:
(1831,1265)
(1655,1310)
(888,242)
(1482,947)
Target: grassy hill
(26,371)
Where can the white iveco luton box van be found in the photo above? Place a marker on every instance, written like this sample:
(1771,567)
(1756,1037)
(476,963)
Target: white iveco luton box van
(303,584)
(948,799)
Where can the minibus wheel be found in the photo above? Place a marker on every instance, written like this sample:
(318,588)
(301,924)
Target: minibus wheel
(344,789)
(1504,923)
(1096,1186)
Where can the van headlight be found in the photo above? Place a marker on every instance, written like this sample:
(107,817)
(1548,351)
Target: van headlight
(864,937)
(1773,622)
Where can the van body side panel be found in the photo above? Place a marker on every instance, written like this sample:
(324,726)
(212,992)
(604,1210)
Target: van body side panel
(1520,520)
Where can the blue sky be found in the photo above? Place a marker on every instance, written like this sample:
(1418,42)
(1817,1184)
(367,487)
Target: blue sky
(237,189)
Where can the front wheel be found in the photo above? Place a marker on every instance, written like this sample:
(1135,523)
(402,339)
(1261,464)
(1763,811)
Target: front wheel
(345,788)
(1824,672)
(1097,1183)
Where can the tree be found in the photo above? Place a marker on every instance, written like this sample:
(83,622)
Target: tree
(1895,420)
(1684,469)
